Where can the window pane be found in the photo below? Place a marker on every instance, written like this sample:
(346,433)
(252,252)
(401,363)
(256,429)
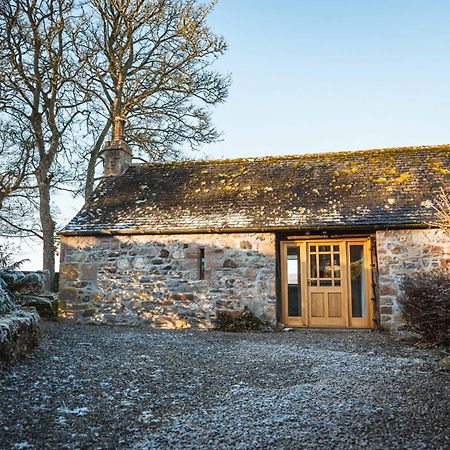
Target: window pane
(337,265)
(293,276)
(313,266)
(358,281)
(335,248)
(201,263)
(312,248)
(324,248)
(292,265)
(325,265)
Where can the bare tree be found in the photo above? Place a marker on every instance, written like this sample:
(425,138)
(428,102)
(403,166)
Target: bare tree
(15,156)
(442,210)
(69,67)
(148,61)
(38,87)
(17,187)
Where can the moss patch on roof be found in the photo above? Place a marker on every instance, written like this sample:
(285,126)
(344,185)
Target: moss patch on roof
(360,188)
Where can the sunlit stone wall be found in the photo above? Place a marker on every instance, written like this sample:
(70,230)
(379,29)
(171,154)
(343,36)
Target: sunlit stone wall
(154,280)
(402,252)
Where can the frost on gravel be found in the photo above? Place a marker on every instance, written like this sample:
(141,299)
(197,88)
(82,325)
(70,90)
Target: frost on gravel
(75,411)
(102,387)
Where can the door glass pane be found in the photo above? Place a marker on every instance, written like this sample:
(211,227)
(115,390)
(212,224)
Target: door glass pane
(325,265)
(293,278)
(324,248)
(358,281)
(337,265)
(326,282)
(313,266)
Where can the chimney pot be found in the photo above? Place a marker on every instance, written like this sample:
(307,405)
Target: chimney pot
(116,153)
(119,129)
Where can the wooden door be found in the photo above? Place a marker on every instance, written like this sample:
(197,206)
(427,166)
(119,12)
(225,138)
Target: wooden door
(327,284)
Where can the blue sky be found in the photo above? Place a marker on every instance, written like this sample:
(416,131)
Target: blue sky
(324,75)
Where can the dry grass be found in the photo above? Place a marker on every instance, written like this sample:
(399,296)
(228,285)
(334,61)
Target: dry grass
(442,208)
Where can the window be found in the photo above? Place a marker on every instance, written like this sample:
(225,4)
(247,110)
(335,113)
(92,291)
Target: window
(324,265)
(293,279)
(201,263)
(358,281)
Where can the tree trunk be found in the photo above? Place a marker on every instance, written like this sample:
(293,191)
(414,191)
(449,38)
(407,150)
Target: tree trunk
(93,157)
(48,231)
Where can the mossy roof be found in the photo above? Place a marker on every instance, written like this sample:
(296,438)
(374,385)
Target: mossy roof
(375,188)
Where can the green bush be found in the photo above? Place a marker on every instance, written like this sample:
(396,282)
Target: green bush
(245,321)
(425,305)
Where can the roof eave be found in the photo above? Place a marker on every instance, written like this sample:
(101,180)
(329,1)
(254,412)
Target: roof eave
(140,231)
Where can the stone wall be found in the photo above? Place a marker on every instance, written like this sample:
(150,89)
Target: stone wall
(19,334)
(401,252)
(154,280)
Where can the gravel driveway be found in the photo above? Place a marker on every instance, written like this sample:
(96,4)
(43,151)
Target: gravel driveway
(103,387)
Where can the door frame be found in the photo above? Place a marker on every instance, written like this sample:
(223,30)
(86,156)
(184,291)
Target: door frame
(304,320)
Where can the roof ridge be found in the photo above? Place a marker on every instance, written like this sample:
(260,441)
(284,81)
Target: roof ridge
(293,156)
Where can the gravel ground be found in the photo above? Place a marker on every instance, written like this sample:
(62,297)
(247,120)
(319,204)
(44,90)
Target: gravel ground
(104,387)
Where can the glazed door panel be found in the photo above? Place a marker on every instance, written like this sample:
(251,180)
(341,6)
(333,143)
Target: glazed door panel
(326,283)
(294,304)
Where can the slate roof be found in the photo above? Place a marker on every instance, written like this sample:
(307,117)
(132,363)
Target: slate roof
(376,188)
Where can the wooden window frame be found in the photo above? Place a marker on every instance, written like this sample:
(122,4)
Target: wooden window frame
(300,320)
(362,322)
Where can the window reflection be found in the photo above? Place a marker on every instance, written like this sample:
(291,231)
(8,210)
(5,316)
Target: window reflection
(358,282)
(293,276)
(324,265)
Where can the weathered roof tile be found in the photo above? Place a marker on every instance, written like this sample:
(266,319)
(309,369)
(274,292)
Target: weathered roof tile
(364,188)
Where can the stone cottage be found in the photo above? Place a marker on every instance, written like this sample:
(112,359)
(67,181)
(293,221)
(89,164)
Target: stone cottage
(317,240)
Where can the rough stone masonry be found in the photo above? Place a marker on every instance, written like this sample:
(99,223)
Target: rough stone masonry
(154,280)
(402,252)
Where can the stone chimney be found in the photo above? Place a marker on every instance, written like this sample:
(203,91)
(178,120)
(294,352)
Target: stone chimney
(116,153)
